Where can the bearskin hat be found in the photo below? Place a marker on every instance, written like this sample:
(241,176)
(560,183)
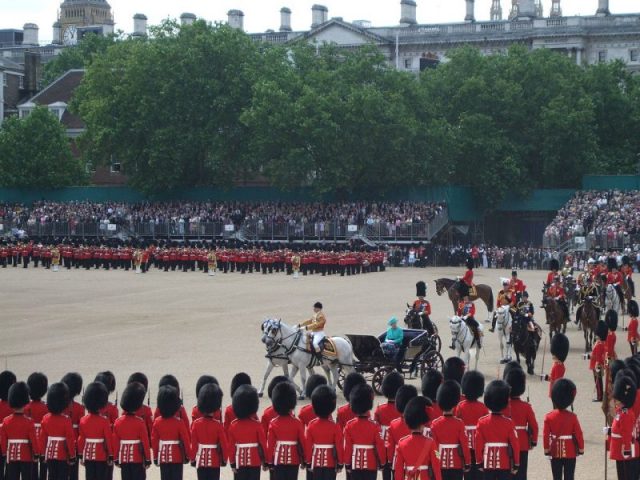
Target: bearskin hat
(615,367)
(473,385)
(140,378)
(7,379)
(421,289)
(517,380)
(625,260)
(133,397)
(73,380)
(95,397)
(245,401)
(169,380)
(633,308)
(633,366)
(38,384)
(448,395)
(350,381)
(317,305)
(602,330)
(496,396)
(283,398)
(508,367)
(313,382)
(391,382)
(238,380)
(108,379)
(415,414)
(560,346)
(611,319)
(323,400)
(209,398)
(469,263)
(168,401)
(624,390)
(554,264)
(18,395)
(611,263)
(274,382)
(563,393)
(203,380)
(405,393)
(430,383)
(361,399)
(453,369)
(58,398)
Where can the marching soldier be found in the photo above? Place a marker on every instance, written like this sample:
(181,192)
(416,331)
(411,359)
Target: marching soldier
(345,414)
(598,361)
(306,413)
(316,325)
(470,410)
(559,351)
(633,336)
(171,381)
(195,411)
(76,411)
(270,413)
(623,444)
(387,412)
(398,428)
(36,411)
(611,319)
(237,381)
(95,445)
(169,435)
(144,412)
(57,440)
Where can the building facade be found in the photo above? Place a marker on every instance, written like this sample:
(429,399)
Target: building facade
(78,17)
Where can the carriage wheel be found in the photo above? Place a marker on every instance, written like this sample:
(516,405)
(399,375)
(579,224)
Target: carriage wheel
(431,360)
(436,341)
(378,376)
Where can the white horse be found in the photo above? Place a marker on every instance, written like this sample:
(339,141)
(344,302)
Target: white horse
(463,340)
(276,357)
(612,300)
(503,323)
(294,342)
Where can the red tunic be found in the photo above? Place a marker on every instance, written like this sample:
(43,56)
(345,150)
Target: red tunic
(422,306)
(551,277)
(495,433)
(450,435)
(344,415)
(57,440)
(181,415)
(611,345)
(363,445)
(622,442)
(468,277)
(95,441)
(557,371)
(614,278)
(416,458)
(75,412)
(324,444)
(131,440)
(18,440)
(268,415)
(5,410)
(470,412)
(169,440)
(525,422)
(196,414)
(36,410)
(384,415)
(209,446)
(285,441)
(110,412)
(396,431)
(632,333)
(145,413)
(562,435)
(307,414)
(247,443)
(598,355)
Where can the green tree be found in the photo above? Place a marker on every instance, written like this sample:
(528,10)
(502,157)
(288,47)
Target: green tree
(35,153)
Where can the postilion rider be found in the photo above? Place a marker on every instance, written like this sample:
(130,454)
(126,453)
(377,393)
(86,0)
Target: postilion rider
(315,325)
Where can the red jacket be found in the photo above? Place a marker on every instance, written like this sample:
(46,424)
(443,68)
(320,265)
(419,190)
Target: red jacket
(495,433)
(598,355)
(247,443)
(396,432)
(75,412)
(632,333)
(131,440)
(307,414)
(169,440)
(525,422)
(611,345)
(196,414)
(384,415)
(5,410)
(285,441)
(344,415)
(57,440)
(95,441)
(470,412)
(557,372)
(562,435)
(468,277)
(324,444)
(416,458)
(209,446)
(268,415)
(36,410)
(622,442)
(466,309)
(450,435)
(363,445)
(144,412)
(18,440)
(614,278)
(110,412)
(181,415)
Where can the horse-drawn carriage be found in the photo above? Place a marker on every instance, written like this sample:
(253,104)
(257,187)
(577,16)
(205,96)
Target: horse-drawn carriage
(421,354)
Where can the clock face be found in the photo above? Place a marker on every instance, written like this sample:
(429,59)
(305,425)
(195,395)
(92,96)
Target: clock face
(70,36)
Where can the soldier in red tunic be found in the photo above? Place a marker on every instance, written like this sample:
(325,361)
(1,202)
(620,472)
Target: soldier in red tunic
(131,441)
(364,449)
(270,412)
(611,319)
(7,379)
(623,444)
(110,410)
(95,441)
(307,413)
(465,284)
(57,440)
(75,411)
(559,350)
(247,443)
(18,441)
(422,306)
(387,412)
(497,445)
(36,410)
(470,410)
(416,456)
(195,411)
(523,417)
(449,434)
(345,414)
(324,444)
(598,360)
(398,428)
(561,434)
(144,412)
(171,381)
(430,384)
(633,336)
(209,446)
(169,436)
(615,278)
(237,381)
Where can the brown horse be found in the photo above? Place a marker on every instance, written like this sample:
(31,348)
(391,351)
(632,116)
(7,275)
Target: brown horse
(555,314)
(588,315)
(483,292)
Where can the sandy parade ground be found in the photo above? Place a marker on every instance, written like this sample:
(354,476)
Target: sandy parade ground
(188,324)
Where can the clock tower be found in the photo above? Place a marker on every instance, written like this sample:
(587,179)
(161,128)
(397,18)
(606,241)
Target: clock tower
(80,16)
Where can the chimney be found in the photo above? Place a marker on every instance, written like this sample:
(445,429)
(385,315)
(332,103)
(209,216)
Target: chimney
(319,15)
(285,19)
(527,9)
(236,19)
(139,25)
(470,17)
(408,12)
(57,33)
(30,34)
(603,8)
(187,18)
(32,73)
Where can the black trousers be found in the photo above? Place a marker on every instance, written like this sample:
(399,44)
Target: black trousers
(58,470)
(73,472)
(286,472)
(247,473)
(387,473)
(563,468)
(208,473)
(497,475)
(171,471)
(473,473)
(39,471)
(451,474)
(626,470)
(133,471)
(95,470)
(524,465)
(364,474)
(323,474)
(19,470)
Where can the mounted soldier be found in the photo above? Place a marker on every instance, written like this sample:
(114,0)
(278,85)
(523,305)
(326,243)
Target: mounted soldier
(422,306)
(465,284)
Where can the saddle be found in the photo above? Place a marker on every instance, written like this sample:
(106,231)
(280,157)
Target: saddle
(327,345)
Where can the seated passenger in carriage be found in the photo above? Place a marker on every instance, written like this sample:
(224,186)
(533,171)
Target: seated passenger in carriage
(423,307)
(393,345)
(466,311)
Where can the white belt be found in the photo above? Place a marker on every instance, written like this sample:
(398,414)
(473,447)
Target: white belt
(449,445)
(56,439)
(247,445)
(362,447)
(323,446)
(496,444)
(94,440)
(565,437)
(169,442)
(37,425)
(616,435)
(208,446)
(470,427)
(286,443)
(129,442)
(521,428)
(420,467)
(18,441)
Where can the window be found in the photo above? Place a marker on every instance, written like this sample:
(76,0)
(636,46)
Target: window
(115,167)
(408,63)
(3,76)
(602,56)
(21,77)
(634,55)
(24,113)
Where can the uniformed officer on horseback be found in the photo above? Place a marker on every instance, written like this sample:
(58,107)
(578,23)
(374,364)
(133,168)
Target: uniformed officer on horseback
(466,311)
(315,325)
(505,297)
(423,307)
(525,308)
(465,284)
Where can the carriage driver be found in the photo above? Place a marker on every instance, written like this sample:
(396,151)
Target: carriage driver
(315,325)
(466,311)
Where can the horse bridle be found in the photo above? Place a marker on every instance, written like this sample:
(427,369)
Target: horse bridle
(456,338)
(294,345)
